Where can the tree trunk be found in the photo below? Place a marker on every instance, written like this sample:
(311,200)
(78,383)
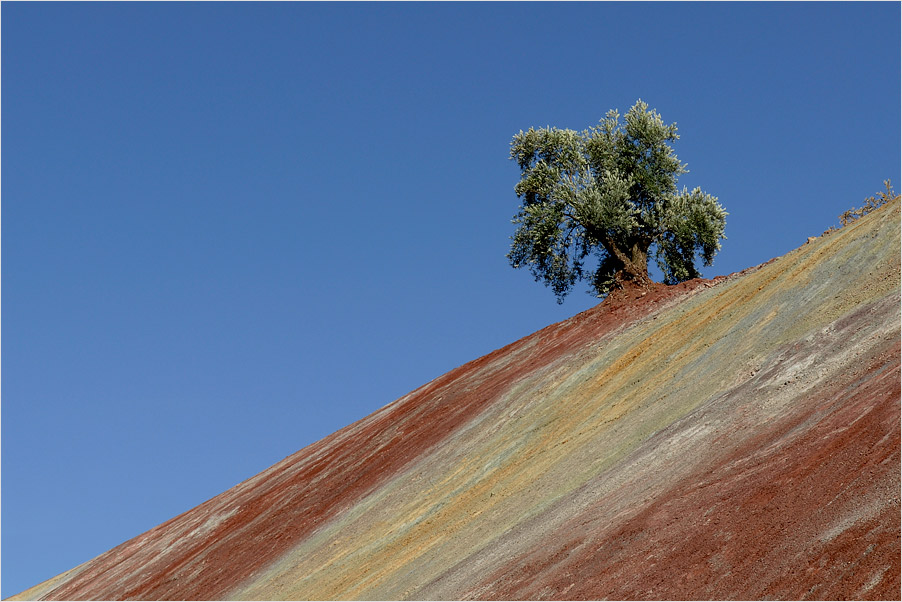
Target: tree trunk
(632,263)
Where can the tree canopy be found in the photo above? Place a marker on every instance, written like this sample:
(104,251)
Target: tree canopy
(609,192)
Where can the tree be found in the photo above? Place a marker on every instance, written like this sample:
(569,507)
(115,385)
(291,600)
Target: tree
(610,192)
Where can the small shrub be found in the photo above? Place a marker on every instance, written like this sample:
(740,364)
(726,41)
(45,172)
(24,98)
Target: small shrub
(870,204)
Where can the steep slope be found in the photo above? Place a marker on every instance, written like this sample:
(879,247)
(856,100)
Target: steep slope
(735,438)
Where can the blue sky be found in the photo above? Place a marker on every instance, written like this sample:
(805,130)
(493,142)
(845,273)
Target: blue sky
(230,229)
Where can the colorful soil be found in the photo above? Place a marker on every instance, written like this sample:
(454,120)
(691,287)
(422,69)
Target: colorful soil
(733,438)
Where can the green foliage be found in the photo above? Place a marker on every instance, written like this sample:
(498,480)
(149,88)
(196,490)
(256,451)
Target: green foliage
(609,192)
(871,203)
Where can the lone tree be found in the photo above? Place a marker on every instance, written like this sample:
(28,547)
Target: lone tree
(609,191)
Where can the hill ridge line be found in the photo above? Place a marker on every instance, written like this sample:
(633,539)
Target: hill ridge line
(642,448)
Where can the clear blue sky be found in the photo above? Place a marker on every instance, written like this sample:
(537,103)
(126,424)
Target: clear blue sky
(230,229)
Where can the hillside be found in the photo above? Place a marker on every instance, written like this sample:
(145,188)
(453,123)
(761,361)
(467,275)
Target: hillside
(733,438)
